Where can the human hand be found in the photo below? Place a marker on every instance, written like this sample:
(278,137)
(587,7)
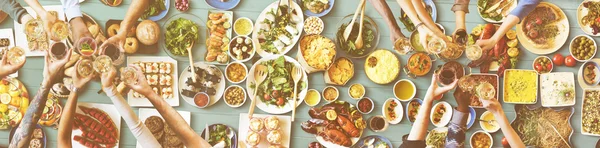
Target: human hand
(435,90)
(492,105)
(486,44)
(463,99)
(53,69)
(26,18)
(141,86)
(79,29)
(78,80)
(48,19)
(117,40)
(396,34)
(6,68)
(108,78)
(424,34)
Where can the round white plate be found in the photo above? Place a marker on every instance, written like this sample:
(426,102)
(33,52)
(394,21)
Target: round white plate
(580,80)
(273,109)
(581,11)
(220,87)
(559,40)
(398,109)
(446,117)
(512,7)
(262,17)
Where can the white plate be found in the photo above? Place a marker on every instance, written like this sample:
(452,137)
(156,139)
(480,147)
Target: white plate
(144,113)
(143,102)
(559,39)
(285,124)
(511,8)
(582,103)
(580,80)
(21,38)
(228,32)
(220,87)
(445,117)
(273,109)
(549,90)
(581,11)
(504,85)
(439,129)
(8,33)
(110,109)
(398,109)
(262,17)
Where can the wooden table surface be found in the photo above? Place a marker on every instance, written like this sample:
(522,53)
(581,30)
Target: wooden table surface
(31,76)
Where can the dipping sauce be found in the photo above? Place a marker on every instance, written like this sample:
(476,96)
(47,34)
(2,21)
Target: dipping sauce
(365,105)
(330,93)
(404,90)
(312,97)
(488,116)
(242,26)
(377,123)
(357,91)
(201,99)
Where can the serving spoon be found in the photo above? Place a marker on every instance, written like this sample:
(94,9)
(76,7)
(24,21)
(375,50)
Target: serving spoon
(348,29)
(189,49)
(359,40)
(260,74)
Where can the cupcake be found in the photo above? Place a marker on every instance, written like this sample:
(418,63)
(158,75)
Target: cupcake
(274,137)
(256,124)
(253,138)
(272,123)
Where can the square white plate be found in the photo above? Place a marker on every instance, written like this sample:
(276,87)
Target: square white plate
(550,88)
(143,102)
(285,124)
(145,113)
(110,109)
(21,38)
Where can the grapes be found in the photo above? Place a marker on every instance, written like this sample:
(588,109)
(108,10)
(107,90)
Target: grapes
(182,5)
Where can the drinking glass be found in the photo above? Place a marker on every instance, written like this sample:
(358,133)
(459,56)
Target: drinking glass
(402,46)
(129,75)
(85,68)
(59,30)
(114,52)
(16,55)
(58,50)
(436,45)
(102,64)
(474,52)
(447,76)
(485,91)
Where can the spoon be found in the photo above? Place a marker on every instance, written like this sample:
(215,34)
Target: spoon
(189,49)
(368,142)
(359,40)
(348,29)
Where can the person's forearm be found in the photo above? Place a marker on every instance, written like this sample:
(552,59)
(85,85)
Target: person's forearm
(13,9)
(134,12)
(426,18)
(511,136)
(177,123)
(137,127)
(419,129)
(31,117)
(36,6)
(508,24)
(65,127)
(460,19)
(384,10)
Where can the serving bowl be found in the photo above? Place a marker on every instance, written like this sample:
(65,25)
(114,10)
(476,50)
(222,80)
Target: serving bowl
(408,108)
(243,100)
(487,116)
(230,51)
(364,91)
(365,99)
(398,110)
(596,71)
(445,119)
(245,71)
(414,90)
(369,23)
(573,42)
(486,133)
(336,91)
(539,58)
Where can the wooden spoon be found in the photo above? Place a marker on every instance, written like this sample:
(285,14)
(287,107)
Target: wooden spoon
(189,49)
(359,40)
(351,25)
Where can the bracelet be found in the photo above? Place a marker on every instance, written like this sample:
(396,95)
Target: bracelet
(419,25)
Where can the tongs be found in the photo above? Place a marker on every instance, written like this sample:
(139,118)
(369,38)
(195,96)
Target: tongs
(277,10)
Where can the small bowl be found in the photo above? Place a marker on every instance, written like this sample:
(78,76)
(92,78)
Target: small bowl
(481,123)
(398,110)
(407,112)
(319,22)
(585,36)
(486,133)
(198,95)
(245,70)
(412,96)
(597,71)
(229,52)
(471,118)
(367,99)
(445,118)
(540,57)
(336,91)
(251,26)
(318,99)
(385,126)
(225,96)
(358,85)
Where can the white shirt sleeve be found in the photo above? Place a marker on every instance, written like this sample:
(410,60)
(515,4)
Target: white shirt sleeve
(137,127)
(71,9)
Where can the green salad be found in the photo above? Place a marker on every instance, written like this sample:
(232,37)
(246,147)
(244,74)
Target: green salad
(155,8)
(278,86)
(180,34)
(219,133)
(348,46)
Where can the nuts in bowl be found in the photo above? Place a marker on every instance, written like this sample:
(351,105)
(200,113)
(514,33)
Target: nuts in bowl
(313,25)
(236,72)
(583,48)
(543,64)
(235,96)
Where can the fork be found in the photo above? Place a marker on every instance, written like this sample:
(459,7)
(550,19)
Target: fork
(296,76)
(189,49)
(260,74)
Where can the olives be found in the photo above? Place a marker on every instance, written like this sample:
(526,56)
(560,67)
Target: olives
(583,48)
(542,65)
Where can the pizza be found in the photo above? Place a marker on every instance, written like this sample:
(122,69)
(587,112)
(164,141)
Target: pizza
(542,26)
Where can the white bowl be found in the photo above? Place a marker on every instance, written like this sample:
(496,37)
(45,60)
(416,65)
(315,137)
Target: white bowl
(412,96)
(398,110)
(231,50)
(586,36)
(251,25)
(336,97)
(539,57)
(245,69)
(445,118)
(486,133)
(319,20)
(372,105)
(363,92)
(235,106)
(318,100)
(486,113)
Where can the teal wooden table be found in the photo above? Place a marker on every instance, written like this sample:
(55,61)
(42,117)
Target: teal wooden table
(31,76)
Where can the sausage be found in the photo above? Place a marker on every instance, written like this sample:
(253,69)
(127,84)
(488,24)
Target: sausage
(96,126)
(487,32)
(102,117)
(348,126)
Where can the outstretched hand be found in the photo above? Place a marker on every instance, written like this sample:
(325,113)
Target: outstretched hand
(53,69)
(436,90)
(141,86)
(491,105)
(7,68)
(78,80)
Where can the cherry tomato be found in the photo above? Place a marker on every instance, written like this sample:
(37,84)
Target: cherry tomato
(538,67)
(558,59)
(538,21)
(275,93)
(267,97)
(280,101)
(529,26)
(548,67)
(570,61)
(505,142)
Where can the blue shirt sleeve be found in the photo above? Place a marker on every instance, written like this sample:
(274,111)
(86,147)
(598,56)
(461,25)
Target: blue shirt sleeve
(457,129)
(524,7)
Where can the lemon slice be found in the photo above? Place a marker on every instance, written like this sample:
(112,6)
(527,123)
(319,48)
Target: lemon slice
(331,115)
(513,52)
(5,98)
(3,108)
(49,103)
(511,34)
(512,43)
(45,110)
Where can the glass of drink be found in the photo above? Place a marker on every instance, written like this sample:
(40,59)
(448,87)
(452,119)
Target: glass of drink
(402,46)
(436,45)
(86,46)
(58,50)
(129,75)
(447,76)
(16,55)
(102,64)
(115,53)
(474,52)
(60,30)
(461,37)
(485,91)
(34,28)
(85,68)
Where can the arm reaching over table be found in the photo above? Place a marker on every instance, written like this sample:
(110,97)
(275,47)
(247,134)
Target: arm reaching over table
(52,73)
(171,116)
(512,137)
(15,11)
(6,68)
(384,10)
(48,18)
(135,11)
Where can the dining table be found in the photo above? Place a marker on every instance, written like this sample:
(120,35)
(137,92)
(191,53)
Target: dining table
(31,73)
